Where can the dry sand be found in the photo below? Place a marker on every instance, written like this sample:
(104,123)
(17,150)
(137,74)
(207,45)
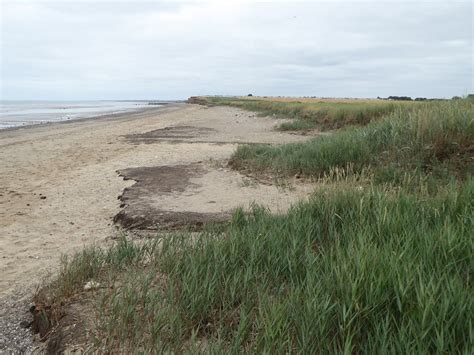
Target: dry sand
(59,183)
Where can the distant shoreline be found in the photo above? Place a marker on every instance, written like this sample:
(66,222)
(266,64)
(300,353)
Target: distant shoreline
(106,116)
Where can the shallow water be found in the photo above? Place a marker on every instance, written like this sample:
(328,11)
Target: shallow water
(20,113)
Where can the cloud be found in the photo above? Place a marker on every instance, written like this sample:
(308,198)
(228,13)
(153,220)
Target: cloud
(118,50)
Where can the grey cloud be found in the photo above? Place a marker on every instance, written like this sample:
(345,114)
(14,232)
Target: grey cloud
(107,50)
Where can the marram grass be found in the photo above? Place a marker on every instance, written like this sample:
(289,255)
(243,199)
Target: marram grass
(437,136)
(316,113)
(379,260)
(365,270)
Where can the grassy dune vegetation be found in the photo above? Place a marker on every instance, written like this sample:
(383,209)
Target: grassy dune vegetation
(314,113)
(379,260)
(432,139)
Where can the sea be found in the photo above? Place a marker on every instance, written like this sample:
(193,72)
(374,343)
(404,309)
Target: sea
(21,113)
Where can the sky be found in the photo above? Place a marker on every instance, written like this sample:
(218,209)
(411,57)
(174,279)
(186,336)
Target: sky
(84,50)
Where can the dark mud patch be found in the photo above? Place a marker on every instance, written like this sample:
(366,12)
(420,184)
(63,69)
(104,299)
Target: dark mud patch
(62,327)
(168,220)
(73,332)
(173,133)
(140,202)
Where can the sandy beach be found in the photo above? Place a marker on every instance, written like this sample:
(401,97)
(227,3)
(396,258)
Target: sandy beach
(60,183)
(67,185)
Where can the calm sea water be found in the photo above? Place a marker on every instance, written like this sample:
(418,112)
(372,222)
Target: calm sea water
(20,113)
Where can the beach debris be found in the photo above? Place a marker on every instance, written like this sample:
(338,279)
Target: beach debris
(90,285)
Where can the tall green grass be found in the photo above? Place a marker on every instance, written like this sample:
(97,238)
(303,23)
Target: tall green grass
(311,114)
(361,267)
(437,136)
(365,271)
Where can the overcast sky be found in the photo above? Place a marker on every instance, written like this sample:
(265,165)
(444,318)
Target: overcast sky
(171,50)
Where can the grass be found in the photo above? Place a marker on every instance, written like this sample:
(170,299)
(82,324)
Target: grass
(298,125)
(436,138)
(310,114)
(379,260)
(368,271)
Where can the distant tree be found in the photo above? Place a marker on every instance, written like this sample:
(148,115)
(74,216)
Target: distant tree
(249,95)
(456,98)
(421,99)
(400,98)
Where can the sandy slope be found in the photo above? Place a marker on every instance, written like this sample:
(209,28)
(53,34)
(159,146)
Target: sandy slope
(59,185)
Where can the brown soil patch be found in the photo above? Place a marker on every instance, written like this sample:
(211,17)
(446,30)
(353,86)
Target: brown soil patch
(72,332)
(139,213)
